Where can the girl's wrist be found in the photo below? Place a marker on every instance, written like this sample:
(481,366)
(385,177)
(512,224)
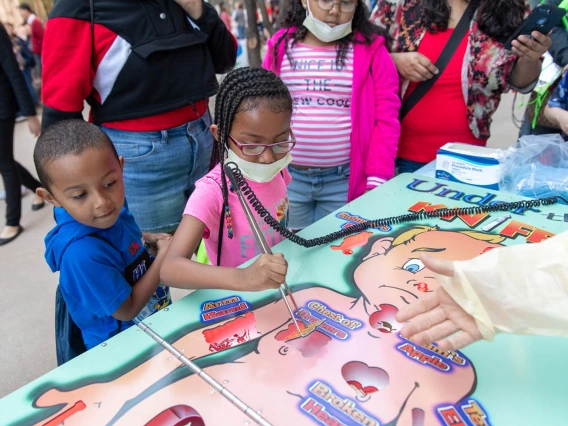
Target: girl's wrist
(238,277)
(230,279)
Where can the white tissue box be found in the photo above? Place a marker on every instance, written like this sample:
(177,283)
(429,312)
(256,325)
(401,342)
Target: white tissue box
(474,165)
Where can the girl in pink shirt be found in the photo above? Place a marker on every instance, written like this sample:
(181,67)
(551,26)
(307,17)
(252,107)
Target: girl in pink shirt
(252,129)
(345,91)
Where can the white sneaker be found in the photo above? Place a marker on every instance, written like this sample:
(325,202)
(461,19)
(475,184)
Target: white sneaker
(3,193)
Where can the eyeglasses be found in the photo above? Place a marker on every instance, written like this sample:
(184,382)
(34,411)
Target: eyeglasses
(344,5)
(255,149)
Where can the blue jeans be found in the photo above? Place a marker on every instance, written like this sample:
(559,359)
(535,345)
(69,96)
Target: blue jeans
(407,166)
(315,193)
(160,170)
(241,32)
(27,72)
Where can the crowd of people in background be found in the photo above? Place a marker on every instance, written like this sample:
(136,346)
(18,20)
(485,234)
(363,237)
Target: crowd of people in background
(20,71)
(341,105)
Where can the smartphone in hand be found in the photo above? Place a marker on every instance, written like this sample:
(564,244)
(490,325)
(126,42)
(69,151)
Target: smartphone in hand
(542,19)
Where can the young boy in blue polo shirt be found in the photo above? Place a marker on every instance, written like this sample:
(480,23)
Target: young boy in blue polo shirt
(107,276)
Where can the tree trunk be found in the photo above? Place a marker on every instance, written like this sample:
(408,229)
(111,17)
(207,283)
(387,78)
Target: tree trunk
(267,23)
(253,40)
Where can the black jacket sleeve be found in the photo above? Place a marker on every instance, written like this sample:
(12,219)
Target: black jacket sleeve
(12,83)
(221,43)
(559,36)
(51,116)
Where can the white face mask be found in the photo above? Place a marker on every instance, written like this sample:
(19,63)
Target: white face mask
(323,31)
(258,172)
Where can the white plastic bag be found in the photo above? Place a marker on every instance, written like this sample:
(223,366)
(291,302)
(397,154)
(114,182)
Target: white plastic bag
(536,167)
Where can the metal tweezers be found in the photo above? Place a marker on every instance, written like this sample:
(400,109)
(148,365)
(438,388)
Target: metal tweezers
(264,247)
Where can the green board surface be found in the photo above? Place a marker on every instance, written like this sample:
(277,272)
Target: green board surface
(516,379)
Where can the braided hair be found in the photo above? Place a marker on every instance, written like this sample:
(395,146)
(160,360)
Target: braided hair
(242,90)
(361,25)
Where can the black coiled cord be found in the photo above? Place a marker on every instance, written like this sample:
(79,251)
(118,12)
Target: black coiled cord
(237,179)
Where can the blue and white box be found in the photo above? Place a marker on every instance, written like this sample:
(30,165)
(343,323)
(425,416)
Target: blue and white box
(470,164)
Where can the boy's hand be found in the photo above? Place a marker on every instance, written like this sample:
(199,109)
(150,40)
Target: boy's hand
(163,244)
(268,271)
(156,242)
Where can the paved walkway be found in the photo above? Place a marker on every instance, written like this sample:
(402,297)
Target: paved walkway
(27,319)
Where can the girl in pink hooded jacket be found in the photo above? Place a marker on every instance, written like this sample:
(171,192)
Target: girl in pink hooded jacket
(345,91)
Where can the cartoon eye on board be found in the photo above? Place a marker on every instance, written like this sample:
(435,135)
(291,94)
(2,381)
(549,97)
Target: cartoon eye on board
(413,266)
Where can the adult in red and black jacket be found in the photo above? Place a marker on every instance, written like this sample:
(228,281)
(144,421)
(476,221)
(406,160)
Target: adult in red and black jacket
(14,97)
(147,69)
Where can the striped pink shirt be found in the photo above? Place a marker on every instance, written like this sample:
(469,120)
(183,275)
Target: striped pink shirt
(321,89)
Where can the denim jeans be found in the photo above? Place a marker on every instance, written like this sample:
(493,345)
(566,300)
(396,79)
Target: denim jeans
(241,32)
(160,170)
(407,166)
(27,72)
(315,193)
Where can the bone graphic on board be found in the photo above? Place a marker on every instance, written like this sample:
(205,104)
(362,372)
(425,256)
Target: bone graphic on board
(78,406)
(495,223)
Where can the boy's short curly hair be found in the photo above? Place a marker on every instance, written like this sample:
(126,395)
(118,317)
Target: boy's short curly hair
(68,137)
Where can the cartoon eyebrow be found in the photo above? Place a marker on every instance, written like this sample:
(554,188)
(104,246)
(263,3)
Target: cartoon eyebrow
(429,249)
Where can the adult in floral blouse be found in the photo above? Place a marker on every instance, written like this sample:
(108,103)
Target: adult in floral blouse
(459,106)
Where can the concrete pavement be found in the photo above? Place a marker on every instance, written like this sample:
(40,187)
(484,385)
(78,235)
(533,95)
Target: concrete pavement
(27,318)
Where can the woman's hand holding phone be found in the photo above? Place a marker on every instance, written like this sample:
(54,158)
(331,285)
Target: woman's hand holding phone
(533,47)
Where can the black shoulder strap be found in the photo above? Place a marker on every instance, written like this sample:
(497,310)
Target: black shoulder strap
(449,49)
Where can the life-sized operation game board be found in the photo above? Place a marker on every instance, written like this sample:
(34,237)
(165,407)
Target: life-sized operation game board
(352,368)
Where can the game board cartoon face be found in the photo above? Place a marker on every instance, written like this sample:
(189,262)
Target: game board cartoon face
(392,273)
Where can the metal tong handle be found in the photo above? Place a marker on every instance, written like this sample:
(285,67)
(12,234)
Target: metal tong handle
(264,247)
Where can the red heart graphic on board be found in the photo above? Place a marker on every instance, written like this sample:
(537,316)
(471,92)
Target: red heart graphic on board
(364,380)
(179,415)
(384,321)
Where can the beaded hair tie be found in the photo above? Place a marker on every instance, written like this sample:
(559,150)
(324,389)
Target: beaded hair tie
(229,221)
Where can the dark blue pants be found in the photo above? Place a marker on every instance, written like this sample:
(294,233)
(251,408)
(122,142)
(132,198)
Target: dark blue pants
(407,166)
